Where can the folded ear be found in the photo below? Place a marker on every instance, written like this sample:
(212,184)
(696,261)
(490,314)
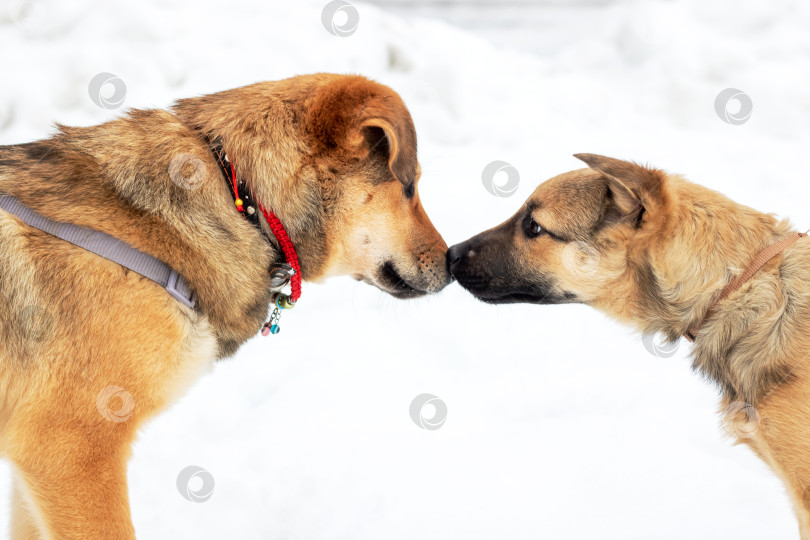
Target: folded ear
(357,116)
(633,186)
(400,143)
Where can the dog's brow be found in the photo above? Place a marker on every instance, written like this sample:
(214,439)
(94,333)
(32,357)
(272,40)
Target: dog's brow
(535,205)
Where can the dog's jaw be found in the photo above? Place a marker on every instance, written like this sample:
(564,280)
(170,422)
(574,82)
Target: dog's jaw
(389,280)
(484,289)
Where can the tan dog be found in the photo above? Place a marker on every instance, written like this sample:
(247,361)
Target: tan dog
(655,251)
(90,350)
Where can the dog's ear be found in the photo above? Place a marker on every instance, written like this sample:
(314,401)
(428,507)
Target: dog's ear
(360,117)
(398,142)
(633,186)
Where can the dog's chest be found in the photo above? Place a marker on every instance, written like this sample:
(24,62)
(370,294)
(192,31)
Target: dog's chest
(197,357)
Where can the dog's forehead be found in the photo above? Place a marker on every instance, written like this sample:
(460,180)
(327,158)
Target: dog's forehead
(567,188)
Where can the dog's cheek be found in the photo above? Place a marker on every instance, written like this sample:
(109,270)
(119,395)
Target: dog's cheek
(537,267)
(582,269)
(359,237)
(353,252)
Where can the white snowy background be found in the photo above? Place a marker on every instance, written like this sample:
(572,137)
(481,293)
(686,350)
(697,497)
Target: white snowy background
(560,424)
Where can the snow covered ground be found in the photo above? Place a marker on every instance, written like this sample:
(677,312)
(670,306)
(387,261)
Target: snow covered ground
(560,423)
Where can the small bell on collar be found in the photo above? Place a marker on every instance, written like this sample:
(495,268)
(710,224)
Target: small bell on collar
(280,275)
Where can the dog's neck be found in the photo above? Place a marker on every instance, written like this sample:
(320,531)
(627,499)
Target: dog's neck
(742,346)
(684,281)
(250,209)
(241,194)
(272,161)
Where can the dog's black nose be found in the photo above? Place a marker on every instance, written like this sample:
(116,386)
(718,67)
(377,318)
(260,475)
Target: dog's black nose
(454,254)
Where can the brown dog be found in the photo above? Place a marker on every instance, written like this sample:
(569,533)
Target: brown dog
(655,251)
(90,350)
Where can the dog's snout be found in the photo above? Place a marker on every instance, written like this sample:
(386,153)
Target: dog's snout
(457,254)
(454,254)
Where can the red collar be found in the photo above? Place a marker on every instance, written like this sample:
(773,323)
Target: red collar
(246,204)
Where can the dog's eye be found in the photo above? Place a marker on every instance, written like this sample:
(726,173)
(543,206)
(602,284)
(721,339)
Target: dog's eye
(531,228)
(409,190)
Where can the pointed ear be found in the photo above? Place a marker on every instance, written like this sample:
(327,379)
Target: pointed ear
(399,142)
(633,186)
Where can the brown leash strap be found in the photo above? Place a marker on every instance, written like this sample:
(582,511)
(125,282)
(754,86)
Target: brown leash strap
(759,261)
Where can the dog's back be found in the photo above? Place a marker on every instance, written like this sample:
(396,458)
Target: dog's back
(80,359)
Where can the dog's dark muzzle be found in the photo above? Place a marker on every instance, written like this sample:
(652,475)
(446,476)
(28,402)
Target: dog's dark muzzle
(485,265)
(478,268)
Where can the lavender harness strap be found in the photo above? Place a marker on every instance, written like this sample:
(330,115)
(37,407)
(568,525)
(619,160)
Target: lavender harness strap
(109,247)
